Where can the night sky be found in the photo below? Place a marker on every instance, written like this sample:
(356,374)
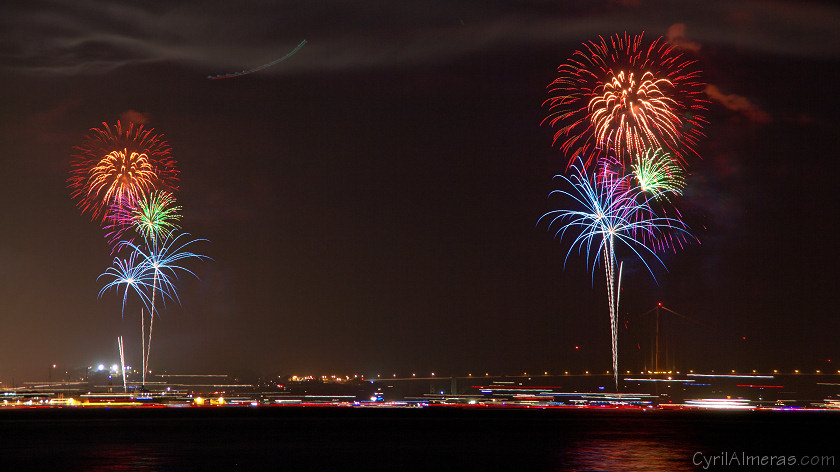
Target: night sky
(371,202)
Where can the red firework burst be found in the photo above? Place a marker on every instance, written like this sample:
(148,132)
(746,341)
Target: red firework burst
(114,166)
(617,97)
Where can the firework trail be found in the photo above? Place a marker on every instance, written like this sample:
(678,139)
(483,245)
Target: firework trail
(122,361)
(155,216)
(152,216)
(616,96)
(114,166)
(150,269)
(257,69)
(609,212)
(162,257)
(135,275)
(124,177)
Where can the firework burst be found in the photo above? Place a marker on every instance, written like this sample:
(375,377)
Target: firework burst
(657,174)
(150,269)
(123,177)
(156,215)
(131,274)
(659,179)
(114,166)
(161,257)
(608,212)
(118,220)
(616,96)
(152,216)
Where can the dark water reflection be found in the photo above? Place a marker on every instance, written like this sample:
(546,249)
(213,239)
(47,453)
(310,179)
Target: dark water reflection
(123,458)
(629,454)
(328,439)
(630,441)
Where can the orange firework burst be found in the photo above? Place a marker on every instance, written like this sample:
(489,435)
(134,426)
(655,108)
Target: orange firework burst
(114,166)
(616,97)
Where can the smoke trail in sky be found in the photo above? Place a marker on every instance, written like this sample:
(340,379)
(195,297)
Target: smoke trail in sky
(257,69)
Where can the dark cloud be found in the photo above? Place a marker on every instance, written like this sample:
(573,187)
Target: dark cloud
(676,36)
(738,103)
(93,37)
(135,116)
(50,119)
(628,3)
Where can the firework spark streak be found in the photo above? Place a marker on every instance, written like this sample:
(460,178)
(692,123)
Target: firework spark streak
(122,361)
(150,269)
(619,97)
(156,215)
(660,178)
(658,174)
(131,274)
(161,257)
(118,220)
(124,177)
(153,216)
(114,166)
(610,212)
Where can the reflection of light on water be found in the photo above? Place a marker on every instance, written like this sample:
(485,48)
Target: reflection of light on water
(614,454)
(123,457)
(720,403)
